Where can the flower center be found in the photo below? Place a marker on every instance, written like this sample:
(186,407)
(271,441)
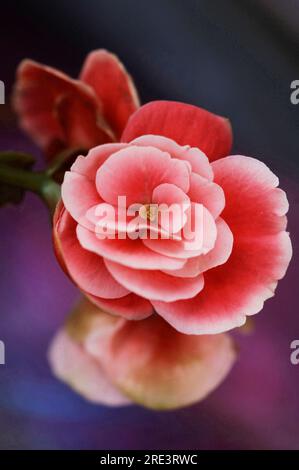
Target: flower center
(149,211)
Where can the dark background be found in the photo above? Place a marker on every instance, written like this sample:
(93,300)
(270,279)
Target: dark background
(235,58)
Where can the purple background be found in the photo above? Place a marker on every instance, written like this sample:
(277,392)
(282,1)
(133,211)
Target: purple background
(234,58)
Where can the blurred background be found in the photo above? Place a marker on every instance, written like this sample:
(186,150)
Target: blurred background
(235,58)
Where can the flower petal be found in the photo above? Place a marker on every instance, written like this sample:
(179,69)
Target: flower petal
(197,159)
(120,222)
(86,269)
(261,252)
(131,253)
(173,203)
(56,111)
(160,368)
(76,367)
(155,285)
(198,236)
(207,193)
(131,307)
(79,194)
(185,124)
(254,205)
(135,172)
(236,289)
(89,165)
(113,85)
(217,256)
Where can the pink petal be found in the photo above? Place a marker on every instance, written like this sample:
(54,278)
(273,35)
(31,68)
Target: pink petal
(74,366)
(174,203)
(261,253)
(89,165)
(131,253)
(236,289)
(109,220)
(56,111)
(155,285)
(160,368)
(83,126)
(254,206)
(222,249)
(131,307)
(183,123)
(86,269)
(135,172)
(113,85)
(197,159)
(79,194)
(122,222)
(191,268)
(201,242)
(217,256)
(207,193)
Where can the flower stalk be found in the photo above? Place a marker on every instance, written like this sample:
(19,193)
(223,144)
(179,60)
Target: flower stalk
(38,182)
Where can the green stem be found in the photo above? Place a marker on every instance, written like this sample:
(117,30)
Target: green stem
(37,182)
(21,178)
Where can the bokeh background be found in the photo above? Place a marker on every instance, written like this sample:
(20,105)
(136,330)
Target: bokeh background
(236,58)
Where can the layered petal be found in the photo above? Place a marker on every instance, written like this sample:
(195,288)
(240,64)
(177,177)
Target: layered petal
(114,87)
(131,253)
(79,194)
(207,193)
(255,212)
(89,165)
(233,290)
(86,269)
(155,285)
(197,159)
(217,256)
(197,237)
(254,205)
(121,222)
(135,172)
(173,204)
(131,307)
(185,124)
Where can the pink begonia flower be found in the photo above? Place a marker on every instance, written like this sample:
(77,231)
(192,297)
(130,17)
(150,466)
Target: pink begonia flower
(174,152)
(61,113)
(113,361)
